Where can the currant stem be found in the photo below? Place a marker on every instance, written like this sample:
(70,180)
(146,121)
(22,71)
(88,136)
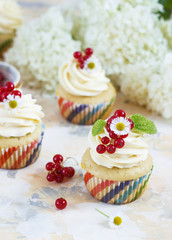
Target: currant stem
(102,213)
(66,159)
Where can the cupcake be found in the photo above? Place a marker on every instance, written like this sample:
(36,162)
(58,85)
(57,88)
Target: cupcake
(21,129)
(84,93)
(10,20)
(117,165)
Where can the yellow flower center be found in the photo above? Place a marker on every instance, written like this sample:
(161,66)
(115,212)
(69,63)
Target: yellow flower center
(13,104)
(91,65)
(117,221)
(120,126)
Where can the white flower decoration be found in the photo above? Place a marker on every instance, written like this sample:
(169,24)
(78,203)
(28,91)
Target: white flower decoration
(120,126)
(92,65)
(117,222)
(12,103)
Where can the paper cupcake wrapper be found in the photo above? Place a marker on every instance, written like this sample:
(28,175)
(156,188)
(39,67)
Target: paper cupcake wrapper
(115,192)
(84,114)
(20,157)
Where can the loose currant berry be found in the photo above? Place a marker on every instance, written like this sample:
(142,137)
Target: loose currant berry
(59,178)
(123,136)
(58,158)
(77,54)
(112,135)
(10,86)
(120,113)
(71,172)
(49,166)
(119,143)
(81,60)
(131,123)
(60,203)
(105,140)
(88,51)
(101,148)
(16,93)
(50,177)
(111,148)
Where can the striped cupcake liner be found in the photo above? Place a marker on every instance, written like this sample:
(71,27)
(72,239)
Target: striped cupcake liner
(84,114)
(115,192)
(20,157)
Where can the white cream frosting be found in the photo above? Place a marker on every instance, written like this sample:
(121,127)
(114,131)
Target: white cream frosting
(24,121)
(79,82)
(132,154)
(10,16)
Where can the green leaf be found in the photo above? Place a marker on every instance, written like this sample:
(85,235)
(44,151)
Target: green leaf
(142,124)
(167,11)
(98,127)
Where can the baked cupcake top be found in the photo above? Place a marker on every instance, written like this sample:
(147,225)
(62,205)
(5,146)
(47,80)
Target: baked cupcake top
(120,141)
(83,75)
(10,16)
(19,113)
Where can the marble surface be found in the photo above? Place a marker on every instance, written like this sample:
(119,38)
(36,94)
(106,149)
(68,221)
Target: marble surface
(27,209)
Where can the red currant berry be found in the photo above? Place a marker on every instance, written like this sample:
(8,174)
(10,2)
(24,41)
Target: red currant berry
(131,123)
(81,60)
(49,166)
(105,140)
(85,57)
(108,129)
(2,90)
(71,172)
(123,136)
(101,148)
(58,158)
(59,178)
(58,168)
(16,93)
(4,95)
(65,171)
(113,135)
(120,113)
(77,54)
(82,65)
(50,177)
(111,148)
(88,51)
(10,86)
(60,203)
(119,143)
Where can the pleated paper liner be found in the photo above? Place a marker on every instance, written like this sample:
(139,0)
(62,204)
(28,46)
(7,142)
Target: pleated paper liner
(20,157)
(115,192)
(84,114)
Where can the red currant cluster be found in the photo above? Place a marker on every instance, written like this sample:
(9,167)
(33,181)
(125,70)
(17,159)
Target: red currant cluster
(7,89)
(56,170)
(82,58)
(114,141)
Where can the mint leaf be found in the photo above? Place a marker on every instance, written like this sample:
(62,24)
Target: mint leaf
(98,127)
(142,124)
(167,11)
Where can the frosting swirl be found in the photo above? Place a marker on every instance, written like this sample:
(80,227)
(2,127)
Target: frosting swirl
(132,154)
(10,16)
(22,122)
(79,82)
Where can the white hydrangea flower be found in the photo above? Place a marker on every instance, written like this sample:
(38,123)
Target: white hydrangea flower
(40,47)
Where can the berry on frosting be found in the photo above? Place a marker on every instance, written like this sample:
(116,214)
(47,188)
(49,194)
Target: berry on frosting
(101,149)
(77,54)
(111,148)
